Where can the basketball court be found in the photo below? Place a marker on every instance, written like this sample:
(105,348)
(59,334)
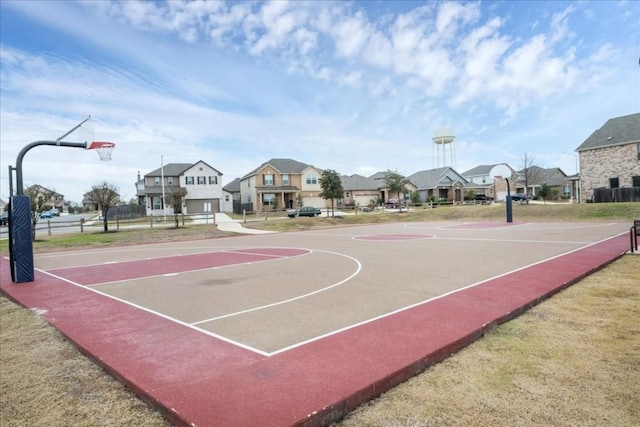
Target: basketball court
(299,328)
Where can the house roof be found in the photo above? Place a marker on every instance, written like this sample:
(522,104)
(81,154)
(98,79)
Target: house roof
(233,186)
(433,178)
(206,164)
(171,169)
(616,131)
(282,166)
(359,182)
(551,176)
(480,170)
(378,175)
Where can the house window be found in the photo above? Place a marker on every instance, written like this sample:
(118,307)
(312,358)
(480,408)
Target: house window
(226,197)
(268,179)
(268,199)
(156,202)
(202,180)
(170,180)
(635,181)
(156,180)
(312,179)
(213,179)
(614,182)
(638,151)
(285,179)
(188,180)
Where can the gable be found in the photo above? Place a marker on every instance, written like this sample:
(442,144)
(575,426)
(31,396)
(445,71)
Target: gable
(201,167)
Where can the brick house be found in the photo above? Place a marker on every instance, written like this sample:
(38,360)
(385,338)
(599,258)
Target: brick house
(278,183)
(360,190)
(202,182)
(610,157)
(441,183)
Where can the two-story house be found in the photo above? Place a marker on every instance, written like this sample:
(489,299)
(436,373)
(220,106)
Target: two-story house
(610,159)
(203,185)
(485,179)
(279,183)
(48,197)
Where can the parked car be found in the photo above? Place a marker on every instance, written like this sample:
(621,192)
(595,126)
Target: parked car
(394,203)
(45,214)
(519,197)
(304,211)
(54,212)
(4,219)
(482,199)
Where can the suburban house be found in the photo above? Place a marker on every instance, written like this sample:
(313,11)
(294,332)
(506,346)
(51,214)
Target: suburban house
(280,183)
(380,177)
(610,161)
(554,178)
(203,185)
(49,197)
(232,197)
(440,183)
(361,191)
(486,179)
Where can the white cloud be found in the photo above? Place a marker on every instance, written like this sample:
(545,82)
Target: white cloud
(341,85)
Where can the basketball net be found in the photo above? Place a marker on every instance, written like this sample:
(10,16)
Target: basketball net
(104,149)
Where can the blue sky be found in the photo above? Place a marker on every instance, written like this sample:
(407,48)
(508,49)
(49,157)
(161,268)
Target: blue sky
(358,87)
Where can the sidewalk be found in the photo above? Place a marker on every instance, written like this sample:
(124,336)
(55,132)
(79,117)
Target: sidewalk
(225,223)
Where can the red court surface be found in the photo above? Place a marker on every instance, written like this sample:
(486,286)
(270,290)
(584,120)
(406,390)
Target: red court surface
(300,328)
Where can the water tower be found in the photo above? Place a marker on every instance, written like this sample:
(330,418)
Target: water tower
(442,139)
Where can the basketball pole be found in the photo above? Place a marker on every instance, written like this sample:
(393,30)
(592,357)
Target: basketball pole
(20,229)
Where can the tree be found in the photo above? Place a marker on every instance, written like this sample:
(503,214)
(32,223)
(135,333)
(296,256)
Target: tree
(396,183)
(105,195)
(528,172)
(331,185)
(415,197)
(299,200)
(175,198)
(544,192)
(40,201)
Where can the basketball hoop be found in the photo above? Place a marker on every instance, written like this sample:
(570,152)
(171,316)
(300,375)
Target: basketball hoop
(104,149)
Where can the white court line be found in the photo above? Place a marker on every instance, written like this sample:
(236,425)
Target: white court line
(400,310)
(294,298)
(529,226)
(133,279)
(164,316)
(471,239)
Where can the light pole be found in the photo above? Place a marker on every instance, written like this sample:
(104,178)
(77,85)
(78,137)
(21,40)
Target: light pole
(164,206)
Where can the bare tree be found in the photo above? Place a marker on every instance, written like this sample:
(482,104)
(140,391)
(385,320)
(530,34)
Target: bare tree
(40,201)
(175,198)
(528,172)
(105,195)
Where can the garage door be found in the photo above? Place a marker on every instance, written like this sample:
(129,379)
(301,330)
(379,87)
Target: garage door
(316,202)
(197,206)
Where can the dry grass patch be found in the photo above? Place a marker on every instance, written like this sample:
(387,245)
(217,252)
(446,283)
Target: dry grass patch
(572,360)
